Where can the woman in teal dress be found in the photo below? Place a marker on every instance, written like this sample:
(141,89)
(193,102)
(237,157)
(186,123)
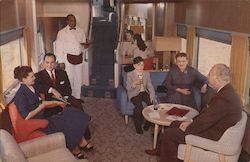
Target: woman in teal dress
(71,122)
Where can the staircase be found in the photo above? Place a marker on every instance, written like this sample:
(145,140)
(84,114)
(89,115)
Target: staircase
(104,34)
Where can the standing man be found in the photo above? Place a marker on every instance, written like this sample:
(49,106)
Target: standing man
(223,112)
(70,43)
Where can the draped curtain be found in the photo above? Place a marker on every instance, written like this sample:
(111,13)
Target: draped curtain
(2,100)
(239,64)
(191,44)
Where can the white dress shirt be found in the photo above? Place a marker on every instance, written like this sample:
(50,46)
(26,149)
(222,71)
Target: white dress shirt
(68,41)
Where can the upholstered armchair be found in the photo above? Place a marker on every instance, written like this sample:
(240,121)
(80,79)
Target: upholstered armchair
(227,149)
(47,148)
(25,129)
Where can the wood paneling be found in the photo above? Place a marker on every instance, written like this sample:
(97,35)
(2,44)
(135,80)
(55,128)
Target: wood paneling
(159,20)
(230,15)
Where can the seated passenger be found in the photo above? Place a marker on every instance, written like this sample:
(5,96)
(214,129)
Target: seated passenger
(139,89)
(180,81)
(55,82)
(131,46)
(223,112)
(141,48)
(71,121)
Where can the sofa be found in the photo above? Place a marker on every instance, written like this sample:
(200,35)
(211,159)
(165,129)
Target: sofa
(42,149)
(126,107)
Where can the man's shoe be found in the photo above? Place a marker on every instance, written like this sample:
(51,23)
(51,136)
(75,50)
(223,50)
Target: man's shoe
(146,127)
(153,152)
(139,131)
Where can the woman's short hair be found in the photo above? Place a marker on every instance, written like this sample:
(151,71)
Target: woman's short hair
(180,54)
(21,72)
(140,43)
(137,60)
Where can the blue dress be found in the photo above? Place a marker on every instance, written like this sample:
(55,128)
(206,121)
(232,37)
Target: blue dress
(71,122)
(177,79)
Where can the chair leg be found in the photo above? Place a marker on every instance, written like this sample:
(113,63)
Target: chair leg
(222,158)
(126,119)
(187,153)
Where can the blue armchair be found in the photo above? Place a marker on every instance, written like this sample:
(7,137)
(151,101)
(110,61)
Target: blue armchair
(126,107)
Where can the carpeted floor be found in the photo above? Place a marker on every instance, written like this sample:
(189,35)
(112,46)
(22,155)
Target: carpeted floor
(114,141)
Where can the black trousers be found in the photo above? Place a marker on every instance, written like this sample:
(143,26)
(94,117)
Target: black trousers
(137,101)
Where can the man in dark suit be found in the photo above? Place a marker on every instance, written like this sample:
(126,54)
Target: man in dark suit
(223,111)
(54,84)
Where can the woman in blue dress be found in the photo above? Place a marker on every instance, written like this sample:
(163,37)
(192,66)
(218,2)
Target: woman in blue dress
(71,122)
(180,81)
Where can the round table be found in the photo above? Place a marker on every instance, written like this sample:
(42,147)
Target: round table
(160,116)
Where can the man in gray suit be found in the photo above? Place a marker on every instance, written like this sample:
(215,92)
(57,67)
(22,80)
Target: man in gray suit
(223,111)
(139,89)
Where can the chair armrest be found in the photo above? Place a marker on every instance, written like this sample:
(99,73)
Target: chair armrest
(124,100)
(203,143)
(43,144)
(32,125)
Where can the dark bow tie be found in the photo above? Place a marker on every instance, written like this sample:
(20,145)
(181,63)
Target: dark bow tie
(72,28)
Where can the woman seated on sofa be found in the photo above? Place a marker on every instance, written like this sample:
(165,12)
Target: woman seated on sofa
(72,122)
(139,50)
(139,89)
(180,81)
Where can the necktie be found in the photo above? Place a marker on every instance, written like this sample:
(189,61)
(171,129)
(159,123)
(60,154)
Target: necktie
(72,28)
(53,79)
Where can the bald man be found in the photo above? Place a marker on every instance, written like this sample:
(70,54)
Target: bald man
(223,111)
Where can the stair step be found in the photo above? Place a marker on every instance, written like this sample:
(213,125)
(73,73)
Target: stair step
(99,91)
(101,81)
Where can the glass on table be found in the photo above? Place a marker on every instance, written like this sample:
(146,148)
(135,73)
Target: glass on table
(156,103)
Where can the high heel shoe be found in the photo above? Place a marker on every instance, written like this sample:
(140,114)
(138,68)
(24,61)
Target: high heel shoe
(87,148)
(79,155)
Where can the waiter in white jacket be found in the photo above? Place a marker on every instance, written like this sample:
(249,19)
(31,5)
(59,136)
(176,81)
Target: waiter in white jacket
(70,44)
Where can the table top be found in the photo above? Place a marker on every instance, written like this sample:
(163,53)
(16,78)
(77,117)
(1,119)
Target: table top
(161,117)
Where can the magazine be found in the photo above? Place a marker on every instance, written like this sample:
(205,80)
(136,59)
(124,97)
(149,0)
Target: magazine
(177,112)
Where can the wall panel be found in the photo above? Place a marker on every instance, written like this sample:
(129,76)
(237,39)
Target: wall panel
(230,15)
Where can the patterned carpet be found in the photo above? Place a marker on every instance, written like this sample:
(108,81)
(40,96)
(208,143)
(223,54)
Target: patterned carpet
(114,141)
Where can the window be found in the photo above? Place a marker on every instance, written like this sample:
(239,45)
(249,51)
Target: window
(212,52)
(10,57)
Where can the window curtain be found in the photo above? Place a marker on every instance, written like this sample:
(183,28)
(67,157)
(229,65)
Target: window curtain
(239,64)
(191,44)
(27,45)
(2,100)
